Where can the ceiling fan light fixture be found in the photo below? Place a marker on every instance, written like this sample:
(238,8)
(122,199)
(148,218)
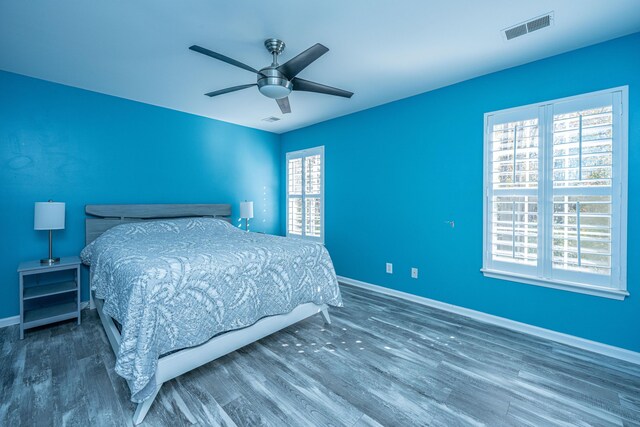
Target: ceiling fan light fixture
(275,89)
(273,84)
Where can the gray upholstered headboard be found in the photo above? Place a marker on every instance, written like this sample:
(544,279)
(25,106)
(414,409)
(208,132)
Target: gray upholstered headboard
(100,218)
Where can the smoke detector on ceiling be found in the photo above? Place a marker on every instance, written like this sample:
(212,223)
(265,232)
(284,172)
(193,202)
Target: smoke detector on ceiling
(529,26)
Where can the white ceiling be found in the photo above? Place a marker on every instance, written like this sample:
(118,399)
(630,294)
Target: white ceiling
(382,50)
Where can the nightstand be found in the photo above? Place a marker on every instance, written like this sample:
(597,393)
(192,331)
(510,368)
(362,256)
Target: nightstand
(49,293)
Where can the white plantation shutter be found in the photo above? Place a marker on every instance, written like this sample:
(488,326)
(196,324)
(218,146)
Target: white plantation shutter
(513,193)
(555,183)
(294,196)
(305,194)
(313,195)
(586,169)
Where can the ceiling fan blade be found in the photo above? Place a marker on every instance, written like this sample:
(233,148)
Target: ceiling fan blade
(292,67)
(307,86)
(283,103)
(222,58)
(229,89)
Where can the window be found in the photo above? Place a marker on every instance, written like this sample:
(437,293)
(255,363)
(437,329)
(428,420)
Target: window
(555,194)
(305,194)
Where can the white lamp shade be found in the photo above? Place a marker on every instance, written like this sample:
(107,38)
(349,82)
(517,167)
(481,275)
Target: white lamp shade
(246,210)
(48,216)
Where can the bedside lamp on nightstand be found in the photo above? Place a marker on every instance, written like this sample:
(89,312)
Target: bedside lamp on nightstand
(246,213)
(49,216)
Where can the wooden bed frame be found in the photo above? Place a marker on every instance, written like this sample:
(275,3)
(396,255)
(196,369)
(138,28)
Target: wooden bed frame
(103,217)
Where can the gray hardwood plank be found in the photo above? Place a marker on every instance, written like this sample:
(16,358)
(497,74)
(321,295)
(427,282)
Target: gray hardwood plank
(300,393)
(365,421)
(241,409)
(383,362)
(102,404)
(202,404)
(36,406)
(67,383)
(363,382)
(215,378)
(313,394)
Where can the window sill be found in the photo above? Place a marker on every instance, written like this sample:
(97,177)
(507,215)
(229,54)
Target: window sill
(599,291)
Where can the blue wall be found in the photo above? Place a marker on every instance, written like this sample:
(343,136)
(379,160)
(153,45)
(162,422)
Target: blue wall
(424,155)
(425,152)
(80,147)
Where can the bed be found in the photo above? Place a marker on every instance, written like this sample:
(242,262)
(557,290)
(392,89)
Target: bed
(177,286)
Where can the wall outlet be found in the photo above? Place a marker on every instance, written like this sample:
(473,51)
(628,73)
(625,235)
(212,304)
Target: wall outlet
(414,273)
(389,268)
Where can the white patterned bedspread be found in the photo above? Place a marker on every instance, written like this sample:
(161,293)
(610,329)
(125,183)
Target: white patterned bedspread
(174,284)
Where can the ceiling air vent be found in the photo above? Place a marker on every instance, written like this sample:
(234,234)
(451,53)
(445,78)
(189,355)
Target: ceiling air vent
(527,27)
(514,32)
(270,119)
(539,23)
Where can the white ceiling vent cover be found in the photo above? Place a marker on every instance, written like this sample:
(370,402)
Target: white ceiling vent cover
(270,119)
(527,27)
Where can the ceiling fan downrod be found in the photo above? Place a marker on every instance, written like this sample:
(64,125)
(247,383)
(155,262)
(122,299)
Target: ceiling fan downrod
(275,48)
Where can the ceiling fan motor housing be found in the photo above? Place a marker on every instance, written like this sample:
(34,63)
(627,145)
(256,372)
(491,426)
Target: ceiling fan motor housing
(273,84)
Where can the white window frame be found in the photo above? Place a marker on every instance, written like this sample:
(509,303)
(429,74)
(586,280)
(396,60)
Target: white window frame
(616,288)
(302,154)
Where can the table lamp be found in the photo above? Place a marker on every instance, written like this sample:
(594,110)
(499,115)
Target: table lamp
(246,213)
(49,216)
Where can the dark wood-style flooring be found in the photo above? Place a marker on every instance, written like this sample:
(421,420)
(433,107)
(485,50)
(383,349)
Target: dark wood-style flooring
(383,361)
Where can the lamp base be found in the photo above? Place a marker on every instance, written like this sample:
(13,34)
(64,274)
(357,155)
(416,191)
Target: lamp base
(49,261)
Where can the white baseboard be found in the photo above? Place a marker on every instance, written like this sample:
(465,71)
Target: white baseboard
(8,321)
(582,343)
(15,320)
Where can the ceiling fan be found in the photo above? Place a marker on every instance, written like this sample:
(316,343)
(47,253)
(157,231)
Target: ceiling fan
(277,81)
